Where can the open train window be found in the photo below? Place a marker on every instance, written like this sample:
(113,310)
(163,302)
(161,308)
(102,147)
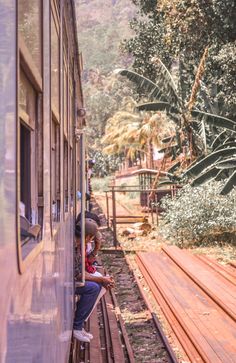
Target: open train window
(30,131)
(25,172)
(55,171)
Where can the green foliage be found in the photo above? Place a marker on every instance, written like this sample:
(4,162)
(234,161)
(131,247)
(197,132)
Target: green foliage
(198,131)
(199,214)
(104,96)
(101,184)
(177,32)
(104,164)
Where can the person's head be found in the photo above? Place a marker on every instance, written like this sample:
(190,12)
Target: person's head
(91,230)
(91,163)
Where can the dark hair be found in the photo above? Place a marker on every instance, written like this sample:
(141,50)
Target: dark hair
(91,228)
(77,231)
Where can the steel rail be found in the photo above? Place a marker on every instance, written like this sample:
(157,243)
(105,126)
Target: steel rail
(108,340)
(161,334)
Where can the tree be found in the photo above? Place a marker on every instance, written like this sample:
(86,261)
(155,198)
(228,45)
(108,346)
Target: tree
(177,32)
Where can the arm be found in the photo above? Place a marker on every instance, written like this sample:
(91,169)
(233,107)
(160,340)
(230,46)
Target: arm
(103,280)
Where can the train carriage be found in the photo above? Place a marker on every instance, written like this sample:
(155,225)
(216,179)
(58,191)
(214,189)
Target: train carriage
(40,163)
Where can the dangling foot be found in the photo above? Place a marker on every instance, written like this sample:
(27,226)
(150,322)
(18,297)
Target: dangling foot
(81,336)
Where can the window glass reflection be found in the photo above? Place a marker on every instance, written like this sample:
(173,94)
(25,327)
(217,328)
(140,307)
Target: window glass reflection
(55,65)
(30,28)
(27,98)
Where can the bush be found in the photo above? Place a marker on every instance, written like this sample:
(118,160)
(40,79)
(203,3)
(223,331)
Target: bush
(104,164)
(100,184)
(199,214)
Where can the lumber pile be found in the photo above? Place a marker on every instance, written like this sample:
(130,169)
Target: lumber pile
(198,298)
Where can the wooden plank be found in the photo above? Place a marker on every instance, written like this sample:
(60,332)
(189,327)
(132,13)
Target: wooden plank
(219,289)
(177,328)
(223,270)
(233,264)
(190,304)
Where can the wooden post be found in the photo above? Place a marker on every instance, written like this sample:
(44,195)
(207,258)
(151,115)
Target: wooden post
(107,204)
(156,209)
(114,215)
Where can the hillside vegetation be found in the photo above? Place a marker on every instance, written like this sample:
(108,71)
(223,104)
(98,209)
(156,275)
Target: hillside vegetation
(102,25)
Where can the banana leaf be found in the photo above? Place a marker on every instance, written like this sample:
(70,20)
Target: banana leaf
(167,182)
(174,167)
(226,146)
(158,106)
(167,139)
(229,185)
(205,176)
(226,163)
(164,89)
(215,120)
(219,139)
(208,161)
(222,174)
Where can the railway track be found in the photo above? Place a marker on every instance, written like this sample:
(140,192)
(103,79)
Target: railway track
(110,343)
(198,298)
(144,335)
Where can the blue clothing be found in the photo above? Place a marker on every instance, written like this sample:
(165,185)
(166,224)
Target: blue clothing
(88,296)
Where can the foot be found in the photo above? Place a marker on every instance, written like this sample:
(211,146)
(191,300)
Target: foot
(81,336)
(89,335)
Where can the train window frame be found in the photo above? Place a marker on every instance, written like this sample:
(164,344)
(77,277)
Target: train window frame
(56,118)
(65,117)
(54,19)
(55,172)
(28,247)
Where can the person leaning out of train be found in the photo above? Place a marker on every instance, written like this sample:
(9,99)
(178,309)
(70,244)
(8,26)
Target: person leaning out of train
(93,246)
(89,294)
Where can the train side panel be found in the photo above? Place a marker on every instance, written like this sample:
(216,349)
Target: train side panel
(36,302)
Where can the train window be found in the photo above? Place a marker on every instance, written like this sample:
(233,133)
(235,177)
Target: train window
(55,171)
(56,117)
(30,166)
(65,106)
(30,131)
(30,28)
(55,66)
(25,167)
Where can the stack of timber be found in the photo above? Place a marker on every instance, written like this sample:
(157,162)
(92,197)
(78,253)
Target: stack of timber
(198,298)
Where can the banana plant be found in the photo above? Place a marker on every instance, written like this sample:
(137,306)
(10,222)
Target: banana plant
(197,125)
